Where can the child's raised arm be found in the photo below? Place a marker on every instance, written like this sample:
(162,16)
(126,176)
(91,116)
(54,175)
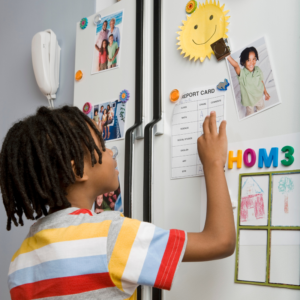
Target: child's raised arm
(217,240)
(234,64)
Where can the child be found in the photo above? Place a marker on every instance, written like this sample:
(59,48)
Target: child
(251,80)
(96,117)
(55,164)
(103,56)
(100,205)
(110,115)
(104,123)
(113,50)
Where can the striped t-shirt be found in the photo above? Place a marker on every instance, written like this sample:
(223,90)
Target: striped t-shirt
(77,254)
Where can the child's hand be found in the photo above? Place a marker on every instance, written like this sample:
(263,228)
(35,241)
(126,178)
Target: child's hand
(267,96)
(212,146)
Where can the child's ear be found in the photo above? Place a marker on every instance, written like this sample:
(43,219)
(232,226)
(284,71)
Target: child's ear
(77,177)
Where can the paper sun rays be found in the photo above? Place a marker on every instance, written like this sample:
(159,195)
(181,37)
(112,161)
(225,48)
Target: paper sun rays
(203,27)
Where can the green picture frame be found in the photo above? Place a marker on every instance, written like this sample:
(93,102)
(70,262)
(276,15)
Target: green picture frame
(268,228)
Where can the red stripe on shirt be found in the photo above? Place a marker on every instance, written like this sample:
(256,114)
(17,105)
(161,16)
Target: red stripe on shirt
(170,260)
(81,211)
(61,286)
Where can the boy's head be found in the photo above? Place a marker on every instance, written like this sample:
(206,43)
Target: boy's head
(104,25)
(248,58)
(46,157)
(96,112)
(111,39)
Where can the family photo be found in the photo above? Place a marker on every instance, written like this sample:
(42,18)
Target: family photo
(110,119)
(252,79)
(107,43)
(111,201)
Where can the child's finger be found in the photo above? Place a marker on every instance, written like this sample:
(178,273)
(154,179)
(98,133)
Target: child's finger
(213,123)
(206,125)
(222,128)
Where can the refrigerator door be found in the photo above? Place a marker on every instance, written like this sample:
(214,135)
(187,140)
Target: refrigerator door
(98,85)
(181,203)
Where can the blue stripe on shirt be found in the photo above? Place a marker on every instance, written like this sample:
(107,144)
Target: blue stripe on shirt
(154,257)
(59,268)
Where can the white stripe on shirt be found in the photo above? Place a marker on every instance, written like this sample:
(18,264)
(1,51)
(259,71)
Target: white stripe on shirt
(61,250)
(137,257)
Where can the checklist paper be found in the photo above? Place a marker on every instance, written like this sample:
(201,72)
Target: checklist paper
(187,121)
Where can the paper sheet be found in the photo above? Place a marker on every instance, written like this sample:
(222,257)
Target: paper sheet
(254,200)
(285,200)
(188,117)
(285,257)
(252,255)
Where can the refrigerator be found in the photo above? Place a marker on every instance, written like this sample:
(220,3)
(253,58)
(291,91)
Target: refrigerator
(148,67)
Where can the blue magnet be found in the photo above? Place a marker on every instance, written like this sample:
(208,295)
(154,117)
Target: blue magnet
(222,86)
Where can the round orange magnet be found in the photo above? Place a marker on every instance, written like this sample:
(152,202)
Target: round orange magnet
(174,95)
(78,75)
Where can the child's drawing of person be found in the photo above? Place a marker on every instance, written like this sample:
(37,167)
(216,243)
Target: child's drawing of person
(251,80)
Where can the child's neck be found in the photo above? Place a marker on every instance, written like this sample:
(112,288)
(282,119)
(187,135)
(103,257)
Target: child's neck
(249,70)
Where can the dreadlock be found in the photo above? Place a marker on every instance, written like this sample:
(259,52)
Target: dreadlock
(35,161)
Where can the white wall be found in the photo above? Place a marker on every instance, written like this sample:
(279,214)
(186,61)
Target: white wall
(101,4)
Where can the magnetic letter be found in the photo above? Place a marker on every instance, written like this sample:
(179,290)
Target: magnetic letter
(252,160)
(263,157)
(289,155)
(237,159)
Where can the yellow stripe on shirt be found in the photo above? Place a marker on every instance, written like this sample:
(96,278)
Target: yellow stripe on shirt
(122,250)
(70,233)
(133,297)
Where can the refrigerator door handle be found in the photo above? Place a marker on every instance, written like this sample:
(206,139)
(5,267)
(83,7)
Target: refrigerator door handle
(155,126)
(133,132)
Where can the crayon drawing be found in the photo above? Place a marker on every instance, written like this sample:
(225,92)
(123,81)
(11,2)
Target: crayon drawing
(285,207)
(254,201)
(285,186)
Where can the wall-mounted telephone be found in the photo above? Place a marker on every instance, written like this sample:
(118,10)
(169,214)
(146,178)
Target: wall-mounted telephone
(46,59)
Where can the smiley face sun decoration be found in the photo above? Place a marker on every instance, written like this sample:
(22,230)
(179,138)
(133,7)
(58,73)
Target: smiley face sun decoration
(203,27)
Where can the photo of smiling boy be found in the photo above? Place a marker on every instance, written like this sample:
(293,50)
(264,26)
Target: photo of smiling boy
(252,79)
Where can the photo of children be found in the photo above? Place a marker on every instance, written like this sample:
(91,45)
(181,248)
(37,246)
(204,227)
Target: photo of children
(107,43)
(109,201)
(110,119)
(252,79)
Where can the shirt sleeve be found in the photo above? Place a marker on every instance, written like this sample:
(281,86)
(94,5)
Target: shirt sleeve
(140,253)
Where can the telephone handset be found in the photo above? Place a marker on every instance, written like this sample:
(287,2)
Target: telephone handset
(46,59)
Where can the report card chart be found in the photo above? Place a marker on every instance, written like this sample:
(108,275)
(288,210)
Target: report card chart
(188,117)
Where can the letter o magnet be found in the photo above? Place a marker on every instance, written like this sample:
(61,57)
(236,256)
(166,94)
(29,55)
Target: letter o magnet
(246,158)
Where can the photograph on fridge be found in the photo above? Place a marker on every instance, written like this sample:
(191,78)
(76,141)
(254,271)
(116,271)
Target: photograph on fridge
(110,118)
(107,43)
(252,79)
(111,201)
